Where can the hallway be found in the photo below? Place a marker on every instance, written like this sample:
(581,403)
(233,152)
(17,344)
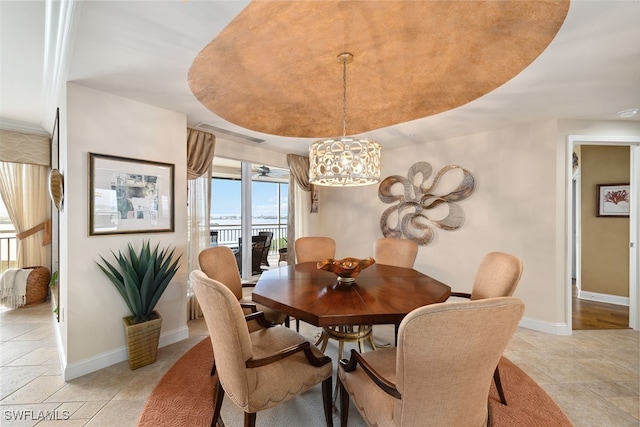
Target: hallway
(597,315)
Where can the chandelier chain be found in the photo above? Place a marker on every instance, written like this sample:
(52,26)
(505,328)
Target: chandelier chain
(344,95)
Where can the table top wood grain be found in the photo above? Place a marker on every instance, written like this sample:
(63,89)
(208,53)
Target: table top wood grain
(381,294)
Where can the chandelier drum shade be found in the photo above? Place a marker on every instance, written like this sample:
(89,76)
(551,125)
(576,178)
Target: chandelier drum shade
(345,161)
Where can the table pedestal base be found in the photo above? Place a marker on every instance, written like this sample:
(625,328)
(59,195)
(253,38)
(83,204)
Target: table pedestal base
(347,333)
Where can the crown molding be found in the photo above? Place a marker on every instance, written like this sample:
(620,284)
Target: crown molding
(22,127)
(61,21)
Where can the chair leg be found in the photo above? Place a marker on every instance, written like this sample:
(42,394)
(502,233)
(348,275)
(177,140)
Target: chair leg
(396,333)
(217,404)
(326,400)
(249,419)
(496,378)
(287,323)
(344,404)
(340,348)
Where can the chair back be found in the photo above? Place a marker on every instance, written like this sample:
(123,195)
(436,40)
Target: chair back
(454,350)
(269,235)
(267,247)
(396,252)
(229,334)
(497,276)
(219,263)
(314,248)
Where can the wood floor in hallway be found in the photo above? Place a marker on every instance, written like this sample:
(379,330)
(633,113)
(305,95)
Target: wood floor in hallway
(598,315)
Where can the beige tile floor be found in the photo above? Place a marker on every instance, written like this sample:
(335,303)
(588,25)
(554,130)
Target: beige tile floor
(592,375)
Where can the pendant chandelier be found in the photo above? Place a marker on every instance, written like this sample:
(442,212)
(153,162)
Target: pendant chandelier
(346,161)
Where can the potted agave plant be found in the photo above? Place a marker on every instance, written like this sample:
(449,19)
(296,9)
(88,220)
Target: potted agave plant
(141,278)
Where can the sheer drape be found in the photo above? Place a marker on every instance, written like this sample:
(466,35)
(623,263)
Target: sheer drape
(300,191)
(24,170)
(23,188)
(200,150)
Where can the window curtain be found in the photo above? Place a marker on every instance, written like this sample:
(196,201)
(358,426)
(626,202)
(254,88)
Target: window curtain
(24,171)
(299,203)
(200,150)
(23,188)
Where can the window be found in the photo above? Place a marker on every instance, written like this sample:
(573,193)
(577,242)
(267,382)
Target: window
(8,249)
(269,203)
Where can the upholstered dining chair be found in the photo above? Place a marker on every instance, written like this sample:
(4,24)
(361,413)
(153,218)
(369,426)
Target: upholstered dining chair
(314,248)
(440,373)
(260,369)
(219,263)
(497,276)
(396,252)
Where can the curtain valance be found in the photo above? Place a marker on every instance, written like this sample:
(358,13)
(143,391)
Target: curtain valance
(299,169)
(18,147)
(200,149)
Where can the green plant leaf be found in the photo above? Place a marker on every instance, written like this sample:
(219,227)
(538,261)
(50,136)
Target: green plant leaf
(118,282)
(54,279)
(141,277)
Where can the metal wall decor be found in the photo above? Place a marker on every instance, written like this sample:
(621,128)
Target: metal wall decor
(411,212)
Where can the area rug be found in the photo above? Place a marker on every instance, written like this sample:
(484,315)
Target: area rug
(184,397)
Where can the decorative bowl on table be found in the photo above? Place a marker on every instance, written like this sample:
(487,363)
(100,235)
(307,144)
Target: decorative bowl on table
(346,269)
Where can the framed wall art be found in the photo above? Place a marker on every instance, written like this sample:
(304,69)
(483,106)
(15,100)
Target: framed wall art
(613,200)
(130,196)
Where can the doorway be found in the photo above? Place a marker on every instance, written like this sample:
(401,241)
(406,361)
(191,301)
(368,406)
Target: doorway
(602,309)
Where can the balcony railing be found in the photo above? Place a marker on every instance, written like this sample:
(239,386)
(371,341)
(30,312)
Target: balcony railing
(8,251)
(228,235)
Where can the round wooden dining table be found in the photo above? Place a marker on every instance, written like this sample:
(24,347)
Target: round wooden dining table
(381,294)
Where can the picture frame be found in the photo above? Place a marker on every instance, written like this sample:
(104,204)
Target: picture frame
(130,196)
(613,200)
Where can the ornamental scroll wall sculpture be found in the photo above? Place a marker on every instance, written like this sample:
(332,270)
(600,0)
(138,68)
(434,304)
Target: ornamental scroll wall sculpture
(413,206)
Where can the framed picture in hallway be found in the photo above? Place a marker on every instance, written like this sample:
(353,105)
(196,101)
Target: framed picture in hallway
(130,195)
(613,200)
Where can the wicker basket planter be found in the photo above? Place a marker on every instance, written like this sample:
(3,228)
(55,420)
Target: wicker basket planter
(142,341)
(37,285)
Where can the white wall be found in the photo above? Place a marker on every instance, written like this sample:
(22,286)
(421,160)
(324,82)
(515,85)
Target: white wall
(249,153)
(92,309)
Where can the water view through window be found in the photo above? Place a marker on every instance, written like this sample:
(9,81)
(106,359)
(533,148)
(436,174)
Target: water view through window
(268,206)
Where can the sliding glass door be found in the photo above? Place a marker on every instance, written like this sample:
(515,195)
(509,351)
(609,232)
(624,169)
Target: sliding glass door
(249,199)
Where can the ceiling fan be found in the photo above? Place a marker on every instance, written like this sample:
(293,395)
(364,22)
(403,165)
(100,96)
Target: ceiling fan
(262,172)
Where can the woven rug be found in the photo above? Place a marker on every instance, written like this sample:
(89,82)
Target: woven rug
(184,397)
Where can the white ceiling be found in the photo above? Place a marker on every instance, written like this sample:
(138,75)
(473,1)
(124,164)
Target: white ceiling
(142,50)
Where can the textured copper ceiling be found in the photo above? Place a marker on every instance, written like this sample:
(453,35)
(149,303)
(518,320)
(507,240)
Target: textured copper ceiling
(274,68)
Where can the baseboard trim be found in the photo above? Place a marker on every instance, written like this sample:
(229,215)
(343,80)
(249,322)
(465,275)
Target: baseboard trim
(117,355)
(606,298)
(62,356)
(546,327)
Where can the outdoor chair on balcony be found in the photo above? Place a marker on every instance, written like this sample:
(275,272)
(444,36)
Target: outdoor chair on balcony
(258,247)
(267,247)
